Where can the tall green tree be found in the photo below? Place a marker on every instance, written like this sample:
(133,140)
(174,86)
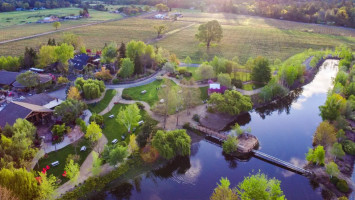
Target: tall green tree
(127,68)
(69,110)
(109,53)
(325,134)
(96,164)
(261,71)
(205,72)
(332,169)
(72,39)
(172,143)
(64,52)
(93,134)
(337,151)
(230,145)
(30,57)
(223,191)
(231,102)
(56,25)
(168,99)
(210,32)
(73,171)
(129,117)
(225,80)
(160,29)
(259,186)
(332,108)
(116,154)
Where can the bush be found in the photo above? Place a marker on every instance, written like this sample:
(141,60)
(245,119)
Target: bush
(116,81)
(187,74)
(82,124)
(99,119)
(182,70)
(186,126)
(334,180)
(342,186)
(349,147)
(237,83)
(140,105)
(126,97)
(196,118)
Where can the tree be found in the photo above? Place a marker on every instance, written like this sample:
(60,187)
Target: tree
(73,39)
(160,29)
(62,80)
(261,71)
(205,72)
(332,169)
(69,110)
(73,171)
(187,60)
(129,117)
(104,74)
(73,93)
(169,67)
(172,143)
(122,51)
(46,56)
(56,25)
(64,52)
(319,155)
(325,134)
(332,108)
(138,66)
(162,7)
(132,145)
(48,185)
(93,133)
(210,32)
(259,186)
(230,145)
(29,57)
(191,96)
(109,53)
(146,8)
(92,89)
(337,151)
(28,79)
(231,102)
(225,80)
(117,154)
(168,95)
(223,192)
(127,68)
(96,164)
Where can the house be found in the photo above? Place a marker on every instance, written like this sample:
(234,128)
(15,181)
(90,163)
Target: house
(49,19)
(7,78)
(81,60)
(36,109)
(216,87)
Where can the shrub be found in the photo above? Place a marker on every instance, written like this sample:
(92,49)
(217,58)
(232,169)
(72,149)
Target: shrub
(99,119)
(196,118)
(126,97)
(182,70)
(62,80)
(230,145)
(334,180)
(186,126)
(342,186)
(82,124)
(349,147)
(187,74)
(237,83)
(140,105)
(116,81)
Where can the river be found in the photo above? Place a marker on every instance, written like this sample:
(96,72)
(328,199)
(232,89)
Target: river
(284,129)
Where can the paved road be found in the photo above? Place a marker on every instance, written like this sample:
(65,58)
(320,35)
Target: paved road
(130,85)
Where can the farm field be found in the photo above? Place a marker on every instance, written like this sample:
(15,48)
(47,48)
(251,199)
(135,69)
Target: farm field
(96,36)
(13,24)
(244,36)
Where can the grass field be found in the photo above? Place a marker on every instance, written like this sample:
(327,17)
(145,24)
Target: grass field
(13,24)
(114,130)
(151,97)
(61,156)
(98,107)
(244,36)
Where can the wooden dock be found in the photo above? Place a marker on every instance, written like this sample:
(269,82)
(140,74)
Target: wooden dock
(247,144)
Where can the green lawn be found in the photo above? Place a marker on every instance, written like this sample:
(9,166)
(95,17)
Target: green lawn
(114,130)
(193,71)
(99,107)
(204,94)
(151,97)
(61,156)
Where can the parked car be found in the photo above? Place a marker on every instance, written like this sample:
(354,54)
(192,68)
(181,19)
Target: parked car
(111,116)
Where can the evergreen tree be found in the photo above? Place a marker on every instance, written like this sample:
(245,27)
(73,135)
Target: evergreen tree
(29,57)
(138,67)
(122,51)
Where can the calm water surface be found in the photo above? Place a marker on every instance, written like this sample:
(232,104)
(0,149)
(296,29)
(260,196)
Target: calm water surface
(284,130)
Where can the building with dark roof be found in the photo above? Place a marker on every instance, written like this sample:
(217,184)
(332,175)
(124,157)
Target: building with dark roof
(43,79)
(7,78)
(44,100)
(79,61)
(15,110)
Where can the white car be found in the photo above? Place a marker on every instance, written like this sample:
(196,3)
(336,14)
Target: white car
(111,116)
(83,148)
(114,141)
